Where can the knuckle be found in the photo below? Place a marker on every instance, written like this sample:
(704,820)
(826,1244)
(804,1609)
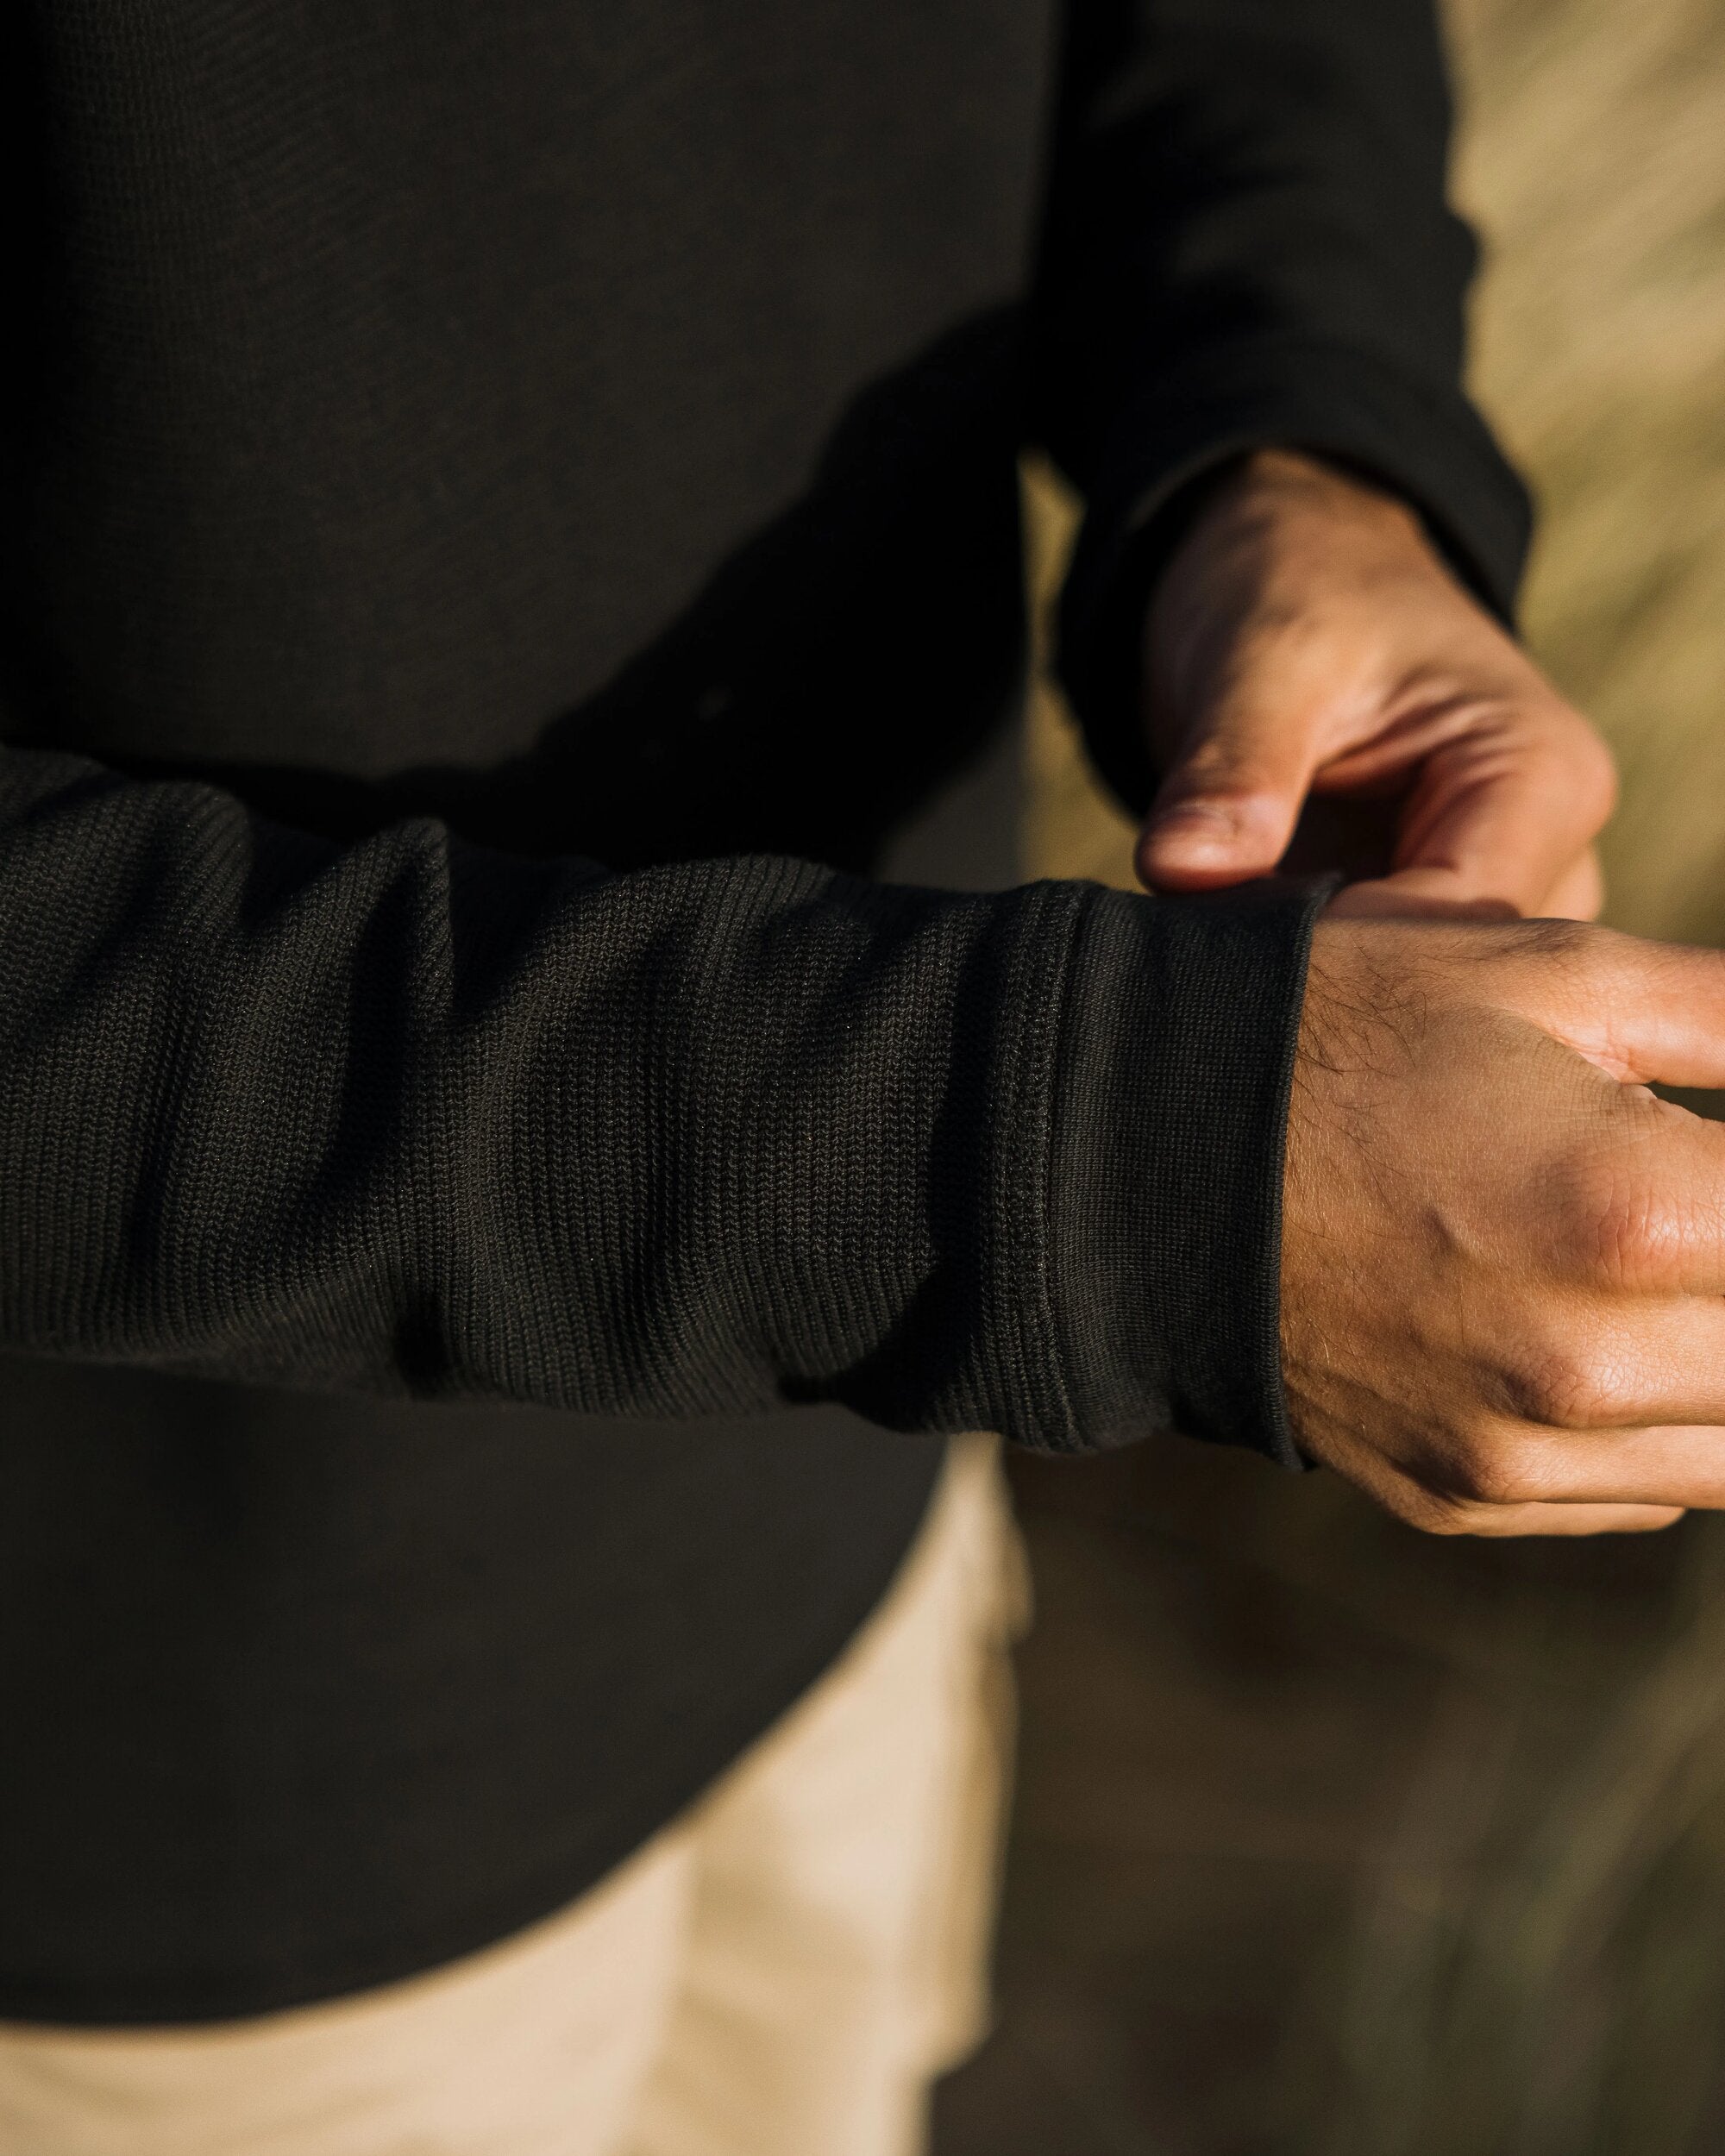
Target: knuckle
(1573,1386)
(1619,1228)
(1495,1470)
(1552,957)
(1430,1514)
(1426,1510)
(1599,769)
(1589,765)
(1573,946)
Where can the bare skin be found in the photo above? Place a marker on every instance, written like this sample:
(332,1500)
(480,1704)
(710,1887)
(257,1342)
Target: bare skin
(1503,1260)
(1307,642)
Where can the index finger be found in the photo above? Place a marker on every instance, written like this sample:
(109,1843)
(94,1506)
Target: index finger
(1503,811)
(1641,1011)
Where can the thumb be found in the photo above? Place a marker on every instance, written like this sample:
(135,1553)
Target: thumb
(1226,811)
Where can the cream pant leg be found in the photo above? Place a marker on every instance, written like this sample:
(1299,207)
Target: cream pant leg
(779,1973)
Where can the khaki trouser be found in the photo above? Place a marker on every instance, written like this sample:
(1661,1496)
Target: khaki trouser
(779,1973)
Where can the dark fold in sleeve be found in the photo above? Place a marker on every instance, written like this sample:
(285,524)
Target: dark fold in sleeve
(416,1117)
(1249,245)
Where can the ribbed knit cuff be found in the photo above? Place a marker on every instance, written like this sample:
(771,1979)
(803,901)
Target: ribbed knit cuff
(1172,1107)
(1425,444)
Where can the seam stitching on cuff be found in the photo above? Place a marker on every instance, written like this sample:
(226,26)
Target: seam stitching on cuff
(1079,904)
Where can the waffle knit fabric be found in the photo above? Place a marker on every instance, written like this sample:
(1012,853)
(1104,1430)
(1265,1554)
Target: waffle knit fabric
(507,510)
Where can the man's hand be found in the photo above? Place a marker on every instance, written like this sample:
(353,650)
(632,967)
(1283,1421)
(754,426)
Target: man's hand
(1306,639)
(1503,1260)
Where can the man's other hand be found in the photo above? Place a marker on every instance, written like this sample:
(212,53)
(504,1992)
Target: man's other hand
(1503,1259)
(1306,640)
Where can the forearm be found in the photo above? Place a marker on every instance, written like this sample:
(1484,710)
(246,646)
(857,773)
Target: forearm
(412,1116)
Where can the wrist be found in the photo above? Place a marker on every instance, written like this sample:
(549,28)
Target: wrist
(1267,498)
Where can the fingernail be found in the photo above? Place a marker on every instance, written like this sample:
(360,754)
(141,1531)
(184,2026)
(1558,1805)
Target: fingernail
(1194,823)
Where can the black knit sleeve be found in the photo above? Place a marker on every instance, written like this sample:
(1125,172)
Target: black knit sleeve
(1248,244)
(413,1116)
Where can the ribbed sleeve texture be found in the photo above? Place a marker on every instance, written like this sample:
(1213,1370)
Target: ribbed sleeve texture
(1248,245)
(582,430)
(417,1117)
(1178,1221)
